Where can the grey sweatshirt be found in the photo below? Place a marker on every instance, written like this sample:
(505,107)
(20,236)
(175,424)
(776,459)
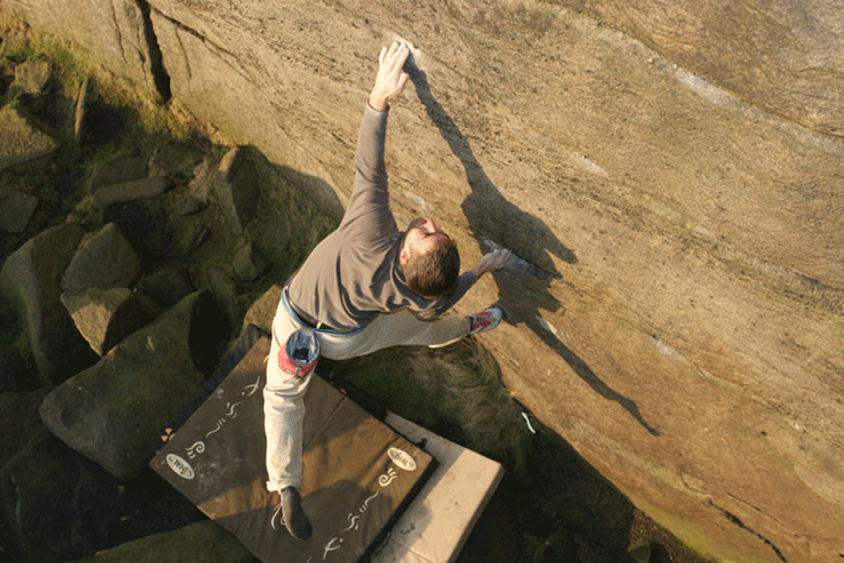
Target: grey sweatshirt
(354,274)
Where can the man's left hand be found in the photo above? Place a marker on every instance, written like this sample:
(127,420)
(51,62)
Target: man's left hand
(391,77)
(491,262)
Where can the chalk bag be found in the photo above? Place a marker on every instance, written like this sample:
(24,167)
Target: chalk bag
(300,354)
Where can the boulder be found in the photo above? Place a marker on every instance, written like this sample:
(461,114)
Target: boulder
(186,204)
(114,412)
(19,141)
(262,311)
(117,171)
(31,75)
(176,160)
(80,111)
(44,474)
(145,188)
(664,339)
(114,34)
(166,287)
(21,423)
(199,542)
(193,235)
(105,317)
(16,209)
(224,289)
(236,187)
(641,554)
(104,260)
(148,226)
(202,183)
(62,507)
(249,264)
(13,369)
(30,280)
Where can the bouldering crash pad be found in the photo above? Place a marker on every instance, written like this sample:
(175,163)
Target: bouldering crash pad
(359,474)
(436,525)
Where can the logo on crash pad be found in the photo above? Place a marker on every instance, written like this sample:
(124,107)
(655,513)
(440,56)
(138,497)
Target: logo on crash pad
(402,459)
(179,466)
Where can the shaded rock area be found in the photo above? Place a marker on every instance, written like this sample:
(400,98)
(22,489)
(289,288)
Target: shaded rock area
(16,209)
(234,187)
(32,75)
(104,260)
(195,543)
(249,264)
(104,317)
(15,371)
(109,320)
(166,287)
(224,289)
(113,411)
(89,509)
(119,170)
(30,280)
(146,188)
(20,141)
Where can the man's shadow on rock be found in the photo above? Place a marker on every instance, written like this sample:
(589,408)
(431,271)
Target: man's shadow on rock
(523,285)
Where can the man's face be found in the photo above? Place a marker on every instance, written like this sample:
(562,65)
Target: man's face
(421,238)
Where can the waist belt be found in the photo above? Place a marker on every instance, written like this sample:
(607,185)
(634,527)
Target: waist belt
(303,316)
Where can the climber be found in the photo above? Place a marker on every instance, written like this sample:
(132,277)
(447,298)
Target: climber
(365,287)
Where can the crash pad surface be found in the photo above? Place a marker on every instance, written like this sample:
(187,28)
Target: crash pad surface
(359,474)
(438,522)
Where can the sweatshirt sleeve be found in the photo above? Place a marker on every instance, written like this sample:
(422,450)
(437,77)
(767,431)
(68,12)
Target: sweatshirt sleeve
(368,217)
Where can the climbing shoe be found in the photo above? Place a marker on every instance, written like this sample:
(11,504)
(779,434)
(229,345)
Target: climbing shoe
(289,513)
(486,320)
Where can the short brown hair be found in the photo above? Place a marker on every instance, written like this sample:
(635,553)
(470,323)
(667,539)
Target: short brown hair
(434,274)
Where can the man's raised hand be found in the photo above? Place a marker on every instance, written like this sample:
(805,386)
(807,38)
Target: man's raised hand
(391,77)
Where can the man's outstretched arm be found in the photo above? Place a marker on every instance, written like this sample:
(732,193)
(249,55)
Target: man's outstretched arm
(368,213)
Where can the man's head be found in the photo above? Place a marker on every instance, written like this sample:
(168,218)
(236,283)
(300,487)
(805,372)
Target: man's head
(429,260)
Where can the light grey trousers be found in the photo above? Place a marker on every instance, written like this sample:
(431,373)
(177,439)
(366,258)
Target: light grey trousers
(284,408)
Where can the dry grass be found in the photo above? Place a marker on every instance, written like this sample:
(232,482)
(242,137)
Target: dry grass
(456,391)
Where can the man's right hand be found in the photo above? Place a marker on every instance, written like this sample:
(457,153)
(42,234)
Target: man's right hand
(391,77)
